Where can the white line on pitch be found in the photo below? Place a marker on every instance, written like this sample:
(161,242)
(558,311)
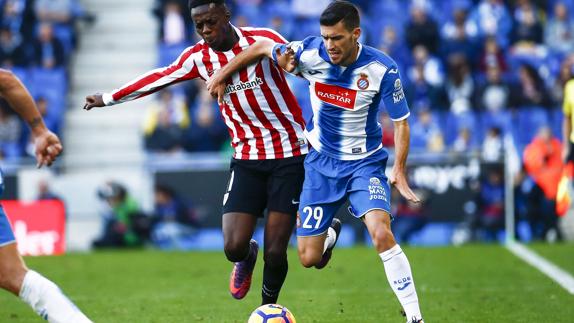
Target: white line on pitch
(556,273)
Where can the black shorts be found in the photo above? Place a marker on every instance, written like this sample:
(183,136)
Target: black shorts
(256,185)
(570,157)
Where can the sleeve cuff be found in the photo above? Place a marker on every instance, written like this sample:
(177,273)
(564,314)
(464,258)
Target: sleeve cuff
(273,53)
(107,98)
(403,117)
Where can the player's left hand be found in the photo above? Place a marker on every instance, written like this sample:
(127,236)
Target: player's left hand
(216,87)
(48,148)
(399,181)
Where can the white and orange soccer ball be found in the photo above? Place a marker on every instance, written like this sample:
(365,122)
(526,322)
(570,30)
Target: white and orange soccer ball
(271,313)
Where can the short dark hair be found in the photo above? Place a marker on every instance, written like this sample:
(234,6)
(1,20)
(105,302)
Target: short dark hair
(341,10)
(196,3)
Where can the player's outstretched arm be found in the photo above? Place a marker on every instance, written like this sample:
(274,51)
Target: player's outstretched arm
(398,176)
(216,84)
(48,145)
(183,68)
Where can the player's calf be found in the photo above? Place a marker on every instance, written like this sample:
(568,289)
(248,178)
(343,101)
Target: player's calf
(332,237)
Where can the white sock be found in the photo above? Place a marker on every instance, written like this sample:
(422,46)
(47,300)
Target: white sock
(400,278)
(48,301)
(330,240)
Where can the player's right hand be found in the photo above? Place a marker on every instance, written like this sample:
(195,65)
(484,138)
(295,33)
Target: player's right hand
(216,87)
(48,148)
(94,101)
(287,59)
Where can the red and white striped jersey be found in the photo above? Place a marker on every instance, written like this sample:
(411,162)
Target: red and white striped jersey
(262,115)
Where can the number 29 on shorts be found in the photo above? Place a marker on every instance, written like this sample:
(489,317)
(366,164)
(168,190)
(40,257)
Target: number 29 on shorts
(313,217)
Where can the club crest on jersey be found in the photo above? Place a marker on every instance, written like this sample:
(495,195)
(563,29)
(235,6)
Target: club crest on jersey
(363,81)
(336,95)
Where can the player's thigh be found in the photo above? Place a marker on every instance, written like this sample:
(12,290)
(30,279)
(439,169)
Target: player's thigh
(285,185)
(369,191)
(246,190)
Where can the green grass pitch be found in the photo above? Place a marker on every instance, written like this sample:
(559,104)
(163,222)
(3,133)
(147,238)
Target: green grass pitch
(478,283)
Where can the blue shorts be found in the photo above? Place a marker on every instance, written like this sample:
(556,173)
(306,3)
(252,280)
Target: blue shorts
(329,182)
(6,234)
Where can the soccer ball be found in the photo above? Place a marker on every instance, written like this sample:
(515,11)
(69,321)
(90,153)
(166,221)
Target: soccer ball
(271,313)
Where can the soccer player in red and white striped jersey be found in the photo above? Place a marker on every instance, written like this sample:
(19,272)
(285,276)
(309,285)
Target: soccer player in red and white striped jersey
(266,127)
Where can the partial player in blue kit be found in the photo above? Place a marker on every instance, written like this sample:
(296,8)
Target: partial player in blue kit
(45,297)
(347,82)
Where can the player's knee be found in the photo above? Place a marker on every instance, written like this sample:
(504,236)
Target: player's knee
(235,251)
(11,277)
(308,258)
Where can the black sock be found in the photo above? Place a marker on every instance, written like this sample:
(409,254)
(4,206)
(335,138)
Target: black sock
(273,278)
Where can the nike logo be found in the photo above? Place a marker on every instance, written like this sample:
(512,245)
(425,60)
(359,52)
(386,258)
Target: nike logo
(294,202)
(404,286)
(313,72)
(393,71)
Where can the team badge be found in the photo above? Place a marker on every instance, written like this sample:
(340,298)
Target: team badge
(363,81)
(398,85)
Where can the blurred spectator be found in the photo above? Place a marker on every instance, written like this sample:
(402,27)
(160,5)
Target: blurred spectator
(207,131)
(527,29)
(18,16)
(421,29)
(282,26)
(165,122)
(426,134)
(10,131)
(463,143)
(490,219)
(120,229)
(410,218)
(531,90)
(492,19)
(392,45)
(173,220)
(308,9)
(11,51)
(459,86)
(492,145)
(543,163)
(44,192)
(49,52)
(54,11)
(460,34)
(491,56)
(564,75)
(568,121)
(174,21)
(559,30)
(421,94)
(494,94)
(428,65)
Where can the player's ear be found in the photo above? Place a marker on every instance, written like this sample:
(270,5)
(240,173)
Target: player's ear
(227,13)
(357,33)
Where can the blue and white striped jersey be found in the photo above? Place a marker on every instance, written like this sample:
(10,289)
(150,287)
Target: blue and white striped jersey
(346,99)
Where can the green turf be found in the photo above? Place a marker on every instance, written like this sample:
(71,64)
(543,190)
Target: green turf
(562,254)
(482,283)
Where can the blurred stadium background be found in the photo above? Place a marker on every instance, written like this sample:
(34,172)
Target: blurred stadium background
(484,80)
